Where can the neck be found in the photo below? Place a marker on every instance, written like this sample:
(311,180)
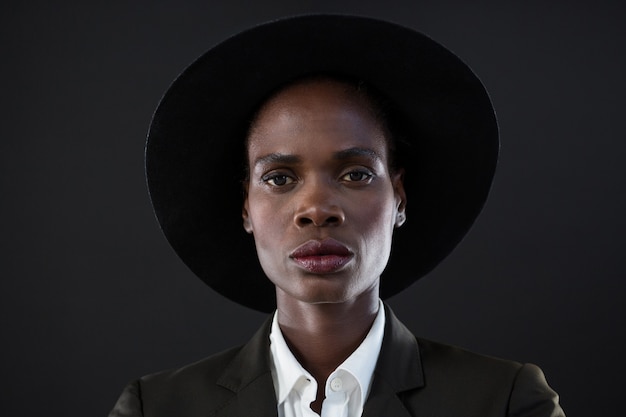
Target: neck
(321,336)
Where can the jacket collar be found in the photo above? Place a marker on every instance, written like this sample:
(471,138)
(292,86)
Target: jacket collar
(398,369)
(249,377)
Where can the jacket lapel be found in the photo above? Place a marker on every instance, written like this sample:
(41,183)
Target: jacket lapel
(399,369)
(249,377)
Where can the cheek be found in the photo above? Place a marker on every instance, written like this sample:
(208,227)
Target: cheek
(378,216)
(269,224)
(267,219)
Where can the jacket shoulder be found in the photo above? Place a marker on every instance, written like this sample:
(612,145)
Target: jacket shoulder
(217,384)
(186,391)
(204,370)
(489,385)
(189,388)
(452,362)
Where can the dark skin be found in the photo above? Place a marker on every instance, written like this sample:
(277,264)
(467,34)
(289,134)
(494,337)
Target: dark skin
(319,172)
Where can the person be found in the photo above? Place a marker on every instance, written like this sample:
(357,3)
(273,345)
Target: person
(356,153)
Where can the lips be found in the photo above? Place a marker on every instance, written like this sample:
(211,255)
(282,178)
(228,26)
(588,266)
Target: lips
(322,256)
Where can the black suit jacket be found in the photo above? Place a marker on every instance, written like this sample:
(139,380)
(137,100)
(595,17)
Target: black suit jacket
(413,377)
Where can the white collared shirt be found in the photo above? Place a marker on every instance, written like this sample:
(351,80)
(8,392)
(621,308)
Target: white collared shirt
(347,386)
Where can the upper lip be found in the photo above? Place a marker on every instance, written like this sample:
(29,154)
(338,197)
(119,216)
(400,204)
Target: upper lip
(321,248)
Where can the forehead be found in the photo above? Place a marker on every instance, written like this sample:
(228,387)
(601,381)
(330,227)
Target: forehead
(311,111)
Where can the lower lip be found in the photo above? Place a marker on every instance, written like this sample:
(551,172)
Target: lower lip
(326,264)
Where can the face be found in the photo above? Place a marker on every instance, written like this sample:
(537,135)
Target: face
(321,202)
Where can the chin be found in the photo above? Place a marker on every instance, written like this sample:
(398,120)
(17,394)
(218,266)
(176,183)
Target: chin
(326,291)
(312,290)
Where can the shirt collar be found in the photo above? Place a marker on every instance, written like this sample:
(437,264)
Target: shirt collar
(286,370)
(288,374)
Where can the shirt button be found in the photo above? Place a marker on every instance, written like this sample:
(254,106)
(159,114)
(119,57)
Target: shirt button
(336,384)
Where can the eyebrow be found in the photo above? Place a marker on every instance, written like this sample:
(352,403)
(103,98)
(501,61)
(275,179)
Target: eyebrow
(356,153)
(279,158)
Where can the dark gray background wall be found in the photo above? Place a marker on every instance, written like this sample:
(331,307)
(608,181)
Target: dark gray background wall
(91,295)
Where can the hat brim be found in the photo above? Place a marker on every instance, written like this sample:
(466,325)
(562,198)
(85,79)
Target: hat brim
(195,154)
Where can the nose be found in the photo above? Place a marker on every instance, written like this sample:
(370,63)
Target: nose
(318,206)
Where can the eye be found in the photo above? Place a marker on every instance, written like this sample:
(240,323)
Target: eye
(357,176)
(277,180)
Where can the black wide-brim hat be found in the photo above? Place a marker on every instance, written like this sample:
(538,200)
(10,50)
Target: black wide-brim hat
(195,151)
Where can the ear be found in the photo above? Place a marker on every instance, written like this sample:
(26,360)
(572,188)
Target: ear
(247,225)
(397,180)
